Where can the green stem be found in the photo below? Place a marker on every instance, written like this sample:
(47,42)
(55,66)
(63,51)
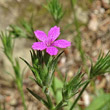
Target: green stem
(54,87)
(0,107)
(20,87)
(78,97)
(58,107)
(49,100)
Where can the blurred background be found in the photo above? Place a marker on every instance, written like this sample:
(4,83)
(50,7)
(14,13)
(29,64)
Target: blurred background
(86,25)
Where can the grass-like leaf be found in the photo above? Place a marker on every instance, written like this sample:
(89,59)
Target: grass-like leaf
(102,65)
(71,88)
(8,44)
(35,72)
(39,98)
(55,8)
(100,102)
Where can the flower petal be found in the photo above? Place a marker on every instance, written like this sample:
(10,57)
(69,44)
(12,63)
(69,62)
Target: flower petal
(54,33)
(39,46)
(62,43)
(40,35)
(52,50)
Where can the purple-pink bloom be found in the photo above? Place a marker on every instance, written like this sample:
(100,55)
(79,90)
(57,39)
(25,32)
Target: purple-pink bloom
(48,42)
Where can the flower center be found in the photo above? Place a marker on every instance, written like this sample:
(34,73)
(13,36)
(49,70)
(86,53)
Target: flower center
(49,42)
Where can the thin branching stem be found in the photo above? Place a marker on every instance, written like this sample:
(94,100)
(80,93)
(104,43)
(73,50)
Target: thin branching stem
(20,88)
(78,97)
(58,107)
(49,100)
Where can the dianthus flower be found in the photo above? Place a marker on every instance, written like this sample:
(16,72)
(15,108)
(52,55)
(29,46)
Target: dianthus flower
(49,42)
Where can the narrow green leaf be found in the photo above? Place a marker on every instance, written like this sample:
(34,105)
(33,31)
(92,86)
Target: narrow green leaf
(99,102)
(57,89)
(35,81)
(38,98)
(34,71)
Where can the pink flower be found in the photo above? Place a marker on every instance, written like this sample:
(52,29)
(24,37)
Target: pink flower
(48,42)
